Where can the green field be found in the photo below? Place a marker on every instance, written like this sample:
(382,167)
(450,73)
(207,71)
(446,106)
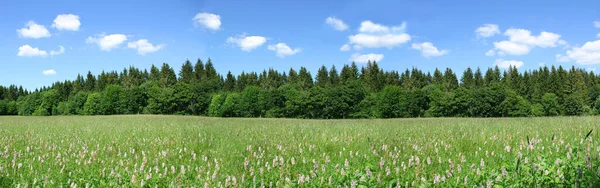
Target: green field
(165,151)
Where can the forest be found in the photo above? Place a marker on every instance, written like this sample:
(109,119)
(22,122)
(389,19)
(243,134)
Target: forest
(351,92)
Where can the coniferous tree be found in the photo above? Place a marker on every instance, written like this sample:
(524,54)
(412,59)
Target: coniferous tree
(186,74)
(467,80)
(322,79)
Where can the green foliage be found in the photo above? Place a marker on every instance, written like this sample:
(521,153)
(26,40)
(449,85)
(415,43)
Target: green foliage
(550,105)
(574,105)
(391,102)
(93,104)
(353,93)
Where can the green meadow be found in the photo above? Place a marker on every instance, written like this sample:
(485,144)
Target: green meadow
(190,151)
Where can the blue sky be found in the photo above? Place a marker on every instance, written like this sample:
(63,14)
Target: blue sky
(46,41)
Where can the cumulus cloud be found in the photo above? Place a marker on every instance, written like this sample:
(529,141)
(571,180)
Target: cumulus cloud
(33,30)
(144,47)
(378,41)
(501,63)
(49,72)
(28,51)
(428,50)
(247,43)
(512,48)
(587,54)
(337,24)
(490,53)
(598,35)
(561,58)
(590,69)
(487,30)
(364,58)
(107,42)
(520,42)
(345,47)
(283,49)
(370,27)
(597,24)
(67,22)
(208,20)
(374,35)
(60,51)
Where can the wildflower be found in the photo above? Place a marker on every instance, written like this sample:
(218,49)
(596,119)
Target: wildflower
(346,164)
(482,163)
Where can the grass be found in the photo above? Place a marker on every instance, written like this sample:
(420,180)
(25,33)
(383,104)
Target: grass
(174,151)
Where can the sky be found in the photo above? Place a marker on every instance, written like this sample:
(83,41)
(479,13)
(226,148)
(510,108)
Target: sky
(42,42)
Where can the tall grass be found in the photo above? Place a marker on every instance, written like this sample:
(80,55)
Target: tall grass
(166,151)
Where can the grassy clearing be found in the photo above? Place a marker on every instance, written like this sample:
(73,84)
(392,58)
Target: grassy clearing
(187,151)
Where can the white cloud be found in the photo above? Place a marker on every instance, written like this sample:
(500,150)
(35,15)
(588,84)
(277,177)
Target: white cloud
(428,50)
(511,48)
(67,22)
(561,58)
(521,42)
(541,64)
(587,54)
(490,53)
(345,47)
(337,24)
(487,30)
(378,41)
(590,69)
(33,30)
(508,63)
(544,40)
(144,47)
(49,72)
(60,51)
(364,58)
(107,42)
(372,35)
(283,49)
(28,51)
(597,24)
(247,43)
(370,27)
(208,20)
(598,35)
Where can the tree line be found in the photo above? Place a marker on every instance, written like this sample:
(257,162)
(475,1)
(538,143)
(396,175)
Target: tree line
(352,92)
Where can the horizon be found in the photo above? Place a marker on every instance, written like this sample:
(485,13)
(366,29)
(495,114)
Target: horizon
(47,42)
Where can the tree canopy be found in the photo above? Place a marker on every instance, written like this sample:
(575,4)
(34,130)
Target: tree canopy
(353,92)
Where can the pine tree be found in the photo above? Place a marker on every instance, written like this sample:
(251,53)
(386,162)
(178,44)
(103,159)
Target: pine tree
(186,74)
(322,79)
(478,78)
(154,74)
(167,76)
(305,80)
(334,78)
(229,84)
(467,80)
(90,82)
(438,78)
(292,77)
(450,80)
(199,70)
